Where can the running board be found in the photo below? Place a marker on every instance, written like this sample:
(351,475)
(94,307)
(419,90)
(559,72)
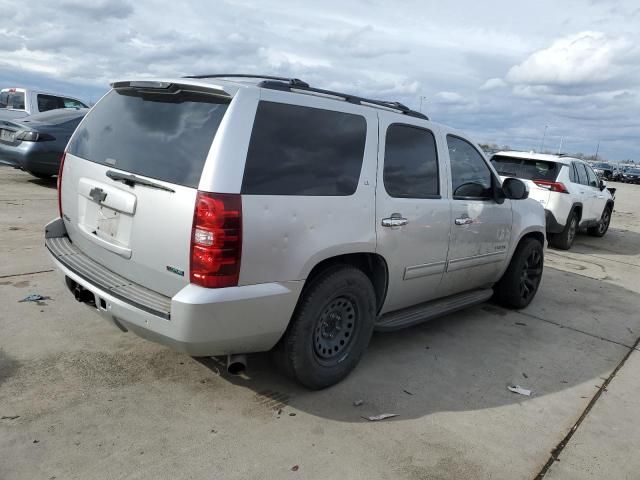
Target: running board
(427,311)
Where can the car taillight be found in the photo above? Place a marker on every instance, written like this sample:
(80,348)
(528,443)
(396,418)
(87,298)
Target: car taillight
(216,240)
(60,184)
(552,186)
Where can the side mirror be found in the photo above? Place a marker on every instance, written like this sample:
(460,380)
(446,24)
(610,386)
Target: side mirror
(602,184)
(515,189)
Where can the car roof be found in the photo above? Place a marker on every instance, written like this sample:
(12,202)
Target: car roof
(548,157)
(230,85)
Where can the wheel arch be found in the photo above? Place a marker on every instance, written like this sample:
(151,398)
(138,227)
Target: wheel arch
(373,265)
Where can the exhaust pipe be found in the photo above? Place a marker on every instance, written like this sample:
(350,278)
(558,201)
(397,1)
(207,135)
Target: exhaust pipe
(236,364)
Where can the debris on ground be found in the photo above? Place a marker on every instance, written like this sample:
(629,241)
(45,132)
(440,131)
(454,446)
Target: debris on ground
(10,417)
(357,403)
(34,297)
(295,468)
(522,324)
(519,390)
(382,416)
(525,375)
(292,414)
(407,392)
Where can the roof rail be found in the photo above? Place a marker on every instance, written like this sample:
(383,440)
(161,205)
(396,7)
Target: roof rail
(295,84)
(291,81)
(396,106)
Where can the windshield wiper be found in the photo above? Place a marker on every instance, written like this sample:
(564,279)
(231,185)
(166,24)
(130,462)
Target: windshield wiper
(132,180)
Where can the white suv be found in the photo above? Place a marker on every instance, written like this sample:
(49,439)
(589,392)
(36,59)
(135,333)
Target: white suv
(572,194)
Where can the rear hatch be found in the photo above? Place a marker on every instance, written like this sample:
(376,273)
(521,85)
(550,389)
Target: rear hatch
(130,179)
(537,174)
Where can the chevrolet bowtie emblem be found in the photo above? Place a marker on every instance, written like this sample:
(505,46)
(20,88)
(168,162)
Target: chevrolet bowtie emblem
(97,194)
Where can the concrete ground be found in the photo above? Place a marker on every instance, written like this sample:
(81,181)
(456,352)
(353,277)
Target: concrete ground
(81,400)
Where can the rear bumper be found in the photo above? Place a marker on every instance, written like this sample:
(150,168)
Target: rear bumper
(198,321)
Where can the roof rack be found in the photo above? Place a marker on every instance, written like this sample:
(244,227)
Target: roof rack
(291,81)
(295,84)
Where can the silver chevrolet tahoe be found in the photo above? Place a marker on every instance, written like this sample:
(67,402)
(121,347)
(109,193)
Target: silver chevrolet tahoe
(222,215)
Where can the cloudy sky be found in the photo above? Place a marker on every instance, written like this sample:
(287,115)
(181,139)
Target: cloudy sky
(501,70)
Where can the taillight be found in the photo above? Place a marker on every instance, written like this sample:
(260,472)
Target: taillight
(60,184)
(552,186)
(216,240)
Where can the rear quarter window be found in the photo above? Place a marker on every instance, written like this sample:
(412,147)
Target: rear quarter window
(159,135)
(296,150)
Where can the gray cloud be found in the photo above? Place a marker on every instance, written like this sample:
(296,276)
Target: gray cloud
(496,69)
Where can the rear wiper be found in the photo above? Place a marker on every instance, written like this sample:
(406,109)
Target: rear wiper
(132,180)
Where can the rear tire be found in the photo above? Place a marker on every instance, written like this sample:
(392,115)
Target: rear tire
(519,284)
(330,329)
(602,227)
(564,239)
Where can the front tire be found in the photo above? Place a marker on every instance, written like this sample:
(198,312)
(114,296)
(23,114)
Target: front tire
(330,329)
(564,239)
(603,225)
(519,284)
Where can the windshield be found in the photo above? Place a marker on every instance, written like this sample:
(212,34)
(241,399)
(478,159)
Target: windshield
(635,171)
(526,168)
(13,100)
(166,136)
(601,165)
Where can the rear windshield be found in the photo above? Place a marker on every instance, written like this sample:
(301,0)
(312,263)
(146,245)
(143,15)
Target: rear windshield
(159,135)
(14,100)
(526,168)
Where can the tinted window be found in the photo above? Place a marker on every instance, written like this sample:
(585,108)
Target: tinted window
(159,135)
(593,178)
(410,163)
(573,176)
(298,150)
(582,174)
(470,175)
(526,168)
(14,100)
(49,102)
(71,103)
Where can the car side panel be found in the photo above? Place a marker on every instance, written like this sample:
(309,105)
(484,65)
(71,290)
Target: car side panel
(284,236)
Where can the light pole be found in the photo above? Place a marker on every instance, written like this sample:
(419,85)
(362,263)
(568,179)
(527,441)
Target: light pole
(422,97)
(543,137)
(560,146)
(597,150)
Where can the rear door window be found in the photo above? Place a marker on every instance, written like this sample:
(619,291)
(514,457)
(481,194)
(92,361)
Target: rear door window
(49,102)
(526,168)
(159,135)
(582,174)
(296,150)
(410,163)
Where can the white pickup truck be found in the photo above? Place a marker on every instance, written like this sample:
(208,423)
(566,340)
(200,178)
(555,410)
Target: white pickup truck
(20,102)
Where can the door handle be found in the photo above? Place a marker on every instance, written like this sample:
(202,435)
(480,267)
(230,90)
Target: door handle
(395,220)
(464,221)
